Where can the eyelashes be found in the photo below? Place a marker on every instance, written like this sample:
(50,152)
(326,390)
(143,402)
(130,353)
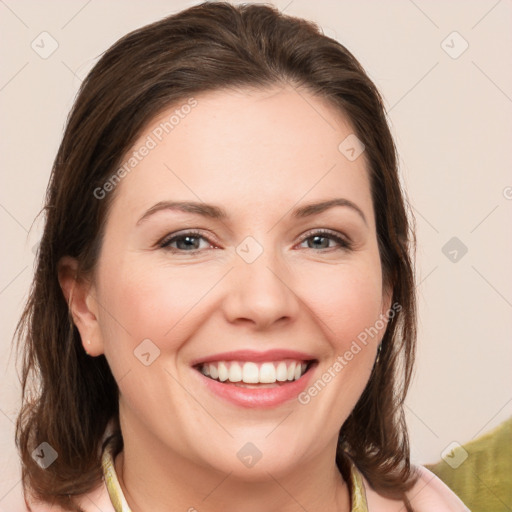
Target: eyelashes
(185,236)
(188,242)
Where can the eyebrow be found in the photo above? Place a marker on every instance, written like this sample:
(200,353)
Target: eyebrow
(217,212)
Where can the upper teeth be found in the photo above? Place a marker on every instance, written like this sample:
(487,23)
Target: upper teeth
(254,373)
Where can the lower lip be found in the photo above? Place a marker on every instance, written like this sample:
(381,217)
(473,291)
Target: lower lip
(258,397)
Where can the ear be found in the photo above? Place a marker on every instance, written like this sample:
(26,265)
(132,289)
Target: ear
(80,296)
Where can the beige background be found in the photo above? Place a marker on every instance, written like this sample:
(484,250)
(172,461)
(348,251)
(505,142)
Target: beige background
(453,126)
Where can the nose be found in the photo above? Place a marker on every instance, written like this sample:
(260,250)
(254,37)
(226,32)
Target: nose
(261,293)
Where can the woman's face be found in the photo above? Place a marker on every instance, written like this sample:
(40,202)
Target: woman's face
(253,292)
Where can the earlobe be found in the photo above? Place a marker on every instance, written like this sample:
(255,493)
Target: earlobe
(79,295)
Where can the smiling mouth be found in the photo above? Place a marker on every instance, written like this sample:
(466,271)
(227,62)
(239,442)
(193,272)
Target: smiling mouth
(249,374)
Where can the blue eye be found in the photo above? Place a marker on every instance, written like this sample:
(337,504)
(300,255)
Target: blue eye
(190,241)
(186,242)
(317,236)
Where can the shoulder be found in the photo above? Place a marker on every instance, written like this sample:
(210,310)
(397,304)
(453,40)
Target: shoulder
(429,494)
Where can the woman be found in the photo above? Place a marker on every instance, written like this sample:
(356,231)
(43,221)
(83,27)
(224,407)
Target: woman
(223,312)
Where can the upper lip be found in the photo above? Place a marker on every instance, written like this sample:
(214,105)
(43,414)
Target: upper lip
(253,355)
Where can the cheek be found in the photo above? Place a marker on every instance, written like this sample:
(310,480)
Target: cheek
(149,302)
(348,302)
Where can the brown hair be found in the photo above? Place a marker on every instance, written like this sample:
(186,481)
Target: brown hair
(69,397)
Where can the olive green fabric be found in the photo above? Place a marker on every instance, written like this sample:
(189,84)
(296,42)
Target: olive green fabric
(483,481)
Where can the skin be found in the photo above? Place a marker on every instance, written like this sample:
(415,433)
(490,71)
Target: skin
(258,154)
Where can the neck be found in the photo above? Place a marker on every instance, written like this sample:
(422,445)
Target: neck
(154,483)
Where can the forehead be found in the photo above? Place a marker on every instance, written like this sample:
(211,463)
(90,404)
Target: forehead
(245,149)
